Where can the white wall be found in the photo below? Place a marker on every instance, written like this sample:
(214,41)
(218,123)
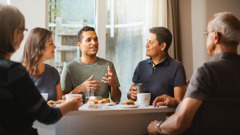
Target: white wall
(194,16)
(35,13)
(223,6)
(199,25)
(186,36)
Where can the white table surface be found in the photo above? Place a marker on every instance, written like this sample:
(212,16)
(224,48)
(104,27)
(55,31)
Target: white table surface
(109,120)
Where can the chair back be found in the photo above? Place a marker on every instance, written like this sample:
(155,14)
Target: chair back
(217,116)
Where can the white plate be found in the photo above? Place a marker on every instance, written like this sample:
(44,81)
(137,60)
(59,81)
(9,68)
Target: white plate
(128,106)
(111,104)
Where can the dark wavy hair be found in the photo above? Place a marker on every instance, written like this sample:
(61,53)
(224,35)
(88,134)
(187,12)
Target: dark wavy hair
(34,48)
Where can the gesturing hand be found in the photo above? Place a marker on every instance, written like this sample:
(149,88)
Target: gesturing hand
(91,83)
(110,78)
(165,100)
(88,83)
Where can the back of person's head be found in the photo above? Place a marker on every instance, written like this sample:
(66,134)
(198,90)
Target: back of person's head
(11,19)
(86,28)
(228,27)
(162,35)
(34,48)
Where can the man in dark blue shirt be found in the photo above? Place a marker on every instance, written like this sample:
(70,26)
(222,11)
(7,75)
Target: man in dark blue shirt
(160,74)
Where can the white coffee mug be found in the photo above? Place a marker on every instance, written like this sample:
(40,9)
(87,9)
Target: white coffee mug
(70,96)
(143,99)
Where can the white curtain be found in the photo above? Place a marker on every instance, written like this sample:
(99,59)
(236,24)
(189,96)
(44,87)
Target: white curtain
(4,1)
(156,15)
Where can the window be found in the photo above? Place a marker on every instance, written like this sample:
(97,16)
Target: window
(125,38)
(66,18)
(121,26)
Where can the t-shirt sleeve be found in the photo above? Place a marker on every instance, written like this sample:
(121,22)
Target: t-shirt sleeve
(57,76)
(66,83)
(116,77)
(52,71)
(135,78)
(200,84)
(180,76)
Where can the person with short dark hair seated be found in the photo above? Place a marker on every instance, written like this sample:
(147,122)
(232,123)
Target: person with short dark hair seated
(160,74)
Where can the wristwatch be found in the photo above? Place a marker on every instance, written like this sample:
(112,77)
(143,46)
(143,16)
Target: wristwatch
(158,127)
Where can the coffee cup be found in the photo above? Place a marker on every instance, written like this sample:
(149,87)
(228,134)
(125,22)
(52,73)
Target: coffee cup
(70,96)
(143,99)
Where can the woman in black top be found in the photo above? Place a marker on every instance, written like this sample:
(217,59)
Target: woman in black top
(20,101)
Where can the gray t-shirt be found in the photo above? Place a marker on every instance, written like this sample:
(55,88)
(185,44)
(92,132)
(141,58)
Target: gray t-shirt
(76,72)
(47,82)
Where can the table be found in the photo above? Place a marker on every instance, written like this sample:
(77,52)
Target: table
(111,120)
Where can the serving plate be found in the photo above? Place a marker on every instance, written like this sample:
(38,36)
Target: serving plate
(128,106)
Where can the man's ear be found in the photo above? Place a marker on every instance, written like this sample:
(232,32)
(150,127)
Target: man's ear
(164,45)
(217,37)
(79,44)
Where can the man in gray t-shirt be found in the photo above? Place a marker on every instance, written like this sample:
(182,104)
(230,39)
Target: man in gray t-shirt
(90,70)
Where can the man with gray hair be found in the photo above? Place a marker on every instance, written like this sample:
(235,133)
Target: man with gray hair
(212,102)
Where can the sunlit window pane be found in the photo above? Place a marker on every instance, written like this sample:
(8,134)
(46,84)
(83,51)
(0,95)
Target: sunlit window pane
(66,18)
(125,38)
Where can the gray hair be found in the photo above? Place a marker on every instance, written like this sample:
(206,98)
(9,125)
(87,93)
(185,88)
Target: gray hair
(228,26)
(11,20)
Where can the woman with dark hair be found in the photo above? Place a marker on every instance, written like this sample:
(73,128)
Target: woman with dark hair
(39,47)
(20,101)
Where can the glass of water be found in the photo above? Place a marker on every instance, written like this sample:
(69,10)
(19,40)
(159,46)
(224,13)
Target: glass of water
(89,91)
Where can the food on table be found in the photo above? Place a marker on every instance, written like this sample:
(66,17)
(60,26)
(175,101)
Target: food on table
(51,103)
(95,104)
(92,101)
(60,101)
(128,102)
(95,101)
(105,100)
(54,103)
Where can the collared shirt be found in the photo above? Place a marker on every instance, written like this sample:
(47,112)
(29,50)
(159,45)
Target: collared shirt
(219,77)
(162,79)
(153,64)
(216,81)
